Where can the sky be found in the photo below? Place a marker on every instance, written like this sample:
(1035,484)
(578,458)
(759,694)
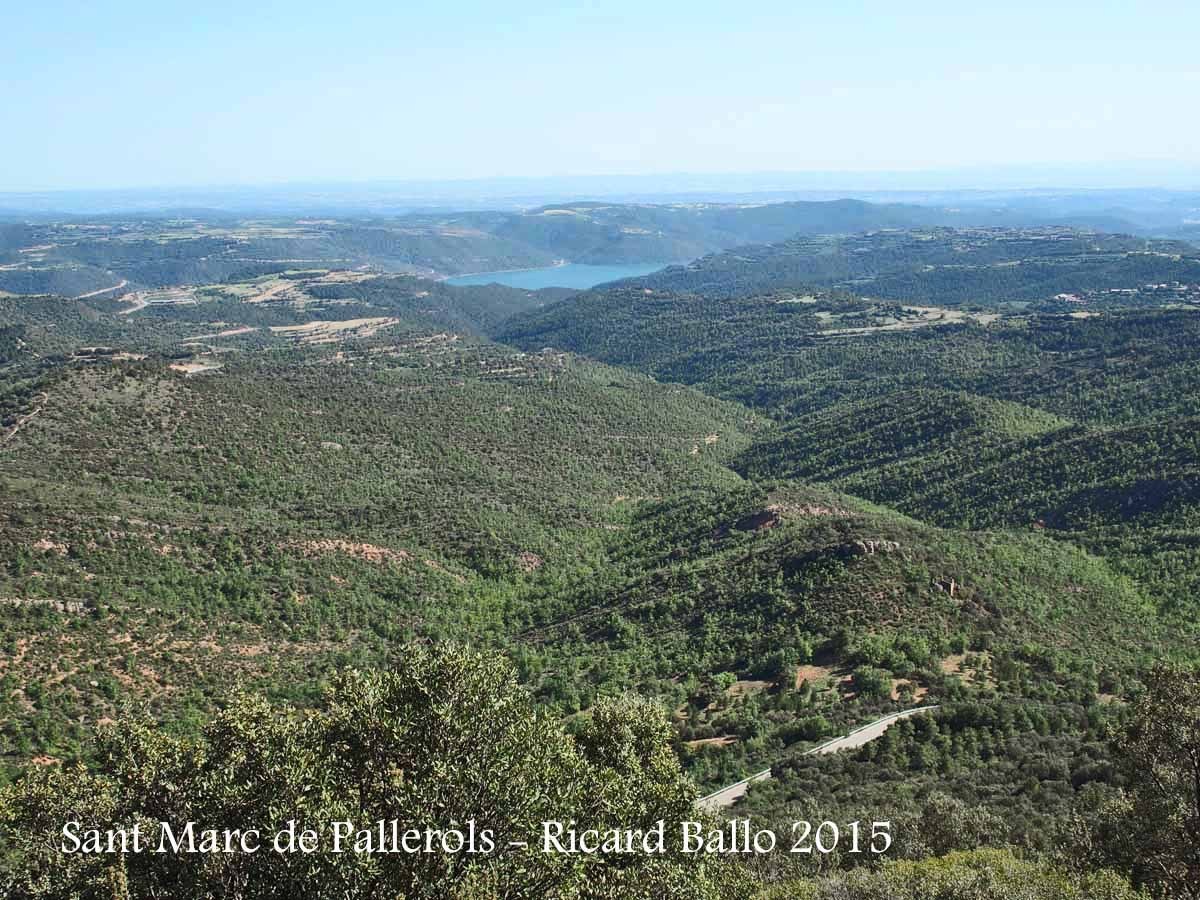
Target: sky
(133,93)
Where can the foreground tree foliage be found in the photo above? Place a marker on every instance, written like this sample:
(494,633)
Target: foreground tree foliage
(977,875)
(444,739)
(1153,830)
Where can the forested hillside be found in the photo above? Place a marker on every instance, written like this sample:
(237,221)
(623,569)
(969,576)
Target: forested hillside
(847,242)
(1004,268)
(769,517)
(320,502)
(797,353)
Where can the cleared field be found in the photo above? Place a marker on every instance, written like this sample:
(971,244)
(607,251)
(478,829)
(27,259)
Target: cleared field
(327,332)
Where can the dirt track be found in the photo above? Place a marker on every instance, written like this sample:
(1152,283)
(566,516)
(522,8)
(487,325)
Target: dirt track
(24,420)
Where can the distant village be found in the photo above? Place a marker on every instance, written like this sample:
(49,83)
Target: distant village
(1164,294)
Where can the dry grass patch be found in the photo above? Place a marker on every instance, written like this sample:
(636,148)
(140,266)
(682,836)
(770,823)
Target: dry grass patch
(746,688)
(330,332)
(367,552)
(813,675)
(723,741)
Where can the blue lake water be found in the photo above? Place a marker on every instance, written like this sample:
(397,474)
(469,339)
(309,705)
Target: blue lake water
(572,275)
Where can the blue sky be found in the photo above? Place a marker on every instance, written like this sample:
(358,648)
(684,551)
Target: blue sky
(127,94)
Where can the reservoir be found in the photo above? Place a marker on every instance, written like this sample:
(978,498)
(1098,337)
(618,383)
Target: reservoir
(571,275)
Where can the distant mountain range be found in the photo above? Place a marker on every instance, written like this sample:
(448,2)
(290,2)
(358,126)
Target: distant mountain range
(1130,185)
(69,256)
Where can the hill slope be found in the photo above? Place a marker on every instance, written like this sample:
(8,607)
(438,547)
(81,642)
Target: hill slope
(198,248)
(162,532)
(950,267)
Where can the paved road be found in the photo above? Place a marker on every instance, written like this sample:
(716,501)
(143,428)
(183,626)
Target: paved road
(138,300)
(730,794)
(115,287)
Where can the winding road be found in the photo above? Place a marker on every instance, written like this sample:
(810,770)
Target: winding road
(138,300)
(115,287)
(730,794)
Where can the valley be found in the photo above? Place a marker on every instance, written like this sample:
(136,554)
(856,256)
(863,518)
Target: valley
(771,492)
(600,451)
(574,276)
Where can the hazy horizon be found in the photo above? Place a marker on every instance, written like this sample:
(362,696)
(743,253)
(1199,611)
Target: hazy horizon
(1073,175)
(980,185)
(133,95)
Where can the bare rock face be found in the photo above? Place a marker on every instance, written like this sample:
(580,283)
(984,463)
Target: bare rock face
(947,586)
(62,606)
(528,561)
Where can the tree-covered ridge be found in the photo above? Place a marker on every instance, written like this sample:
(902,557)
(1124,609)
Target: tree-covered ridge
(71,258)
(318,501)
(155,254)
(953,424)
(820,611)
(306,434)
(898,251)
(794,358)
(161,531)
(869,437)
(464,309)
(692,338)
(993,267)
(854,507)
(792,355)
(252,312)
(66,259)
(609,232)
(967,461)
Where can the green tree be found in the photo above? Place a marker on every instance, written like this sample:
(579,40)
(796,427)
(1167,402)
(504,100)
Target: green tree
(975,875)
(444,739)
(1154,830)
